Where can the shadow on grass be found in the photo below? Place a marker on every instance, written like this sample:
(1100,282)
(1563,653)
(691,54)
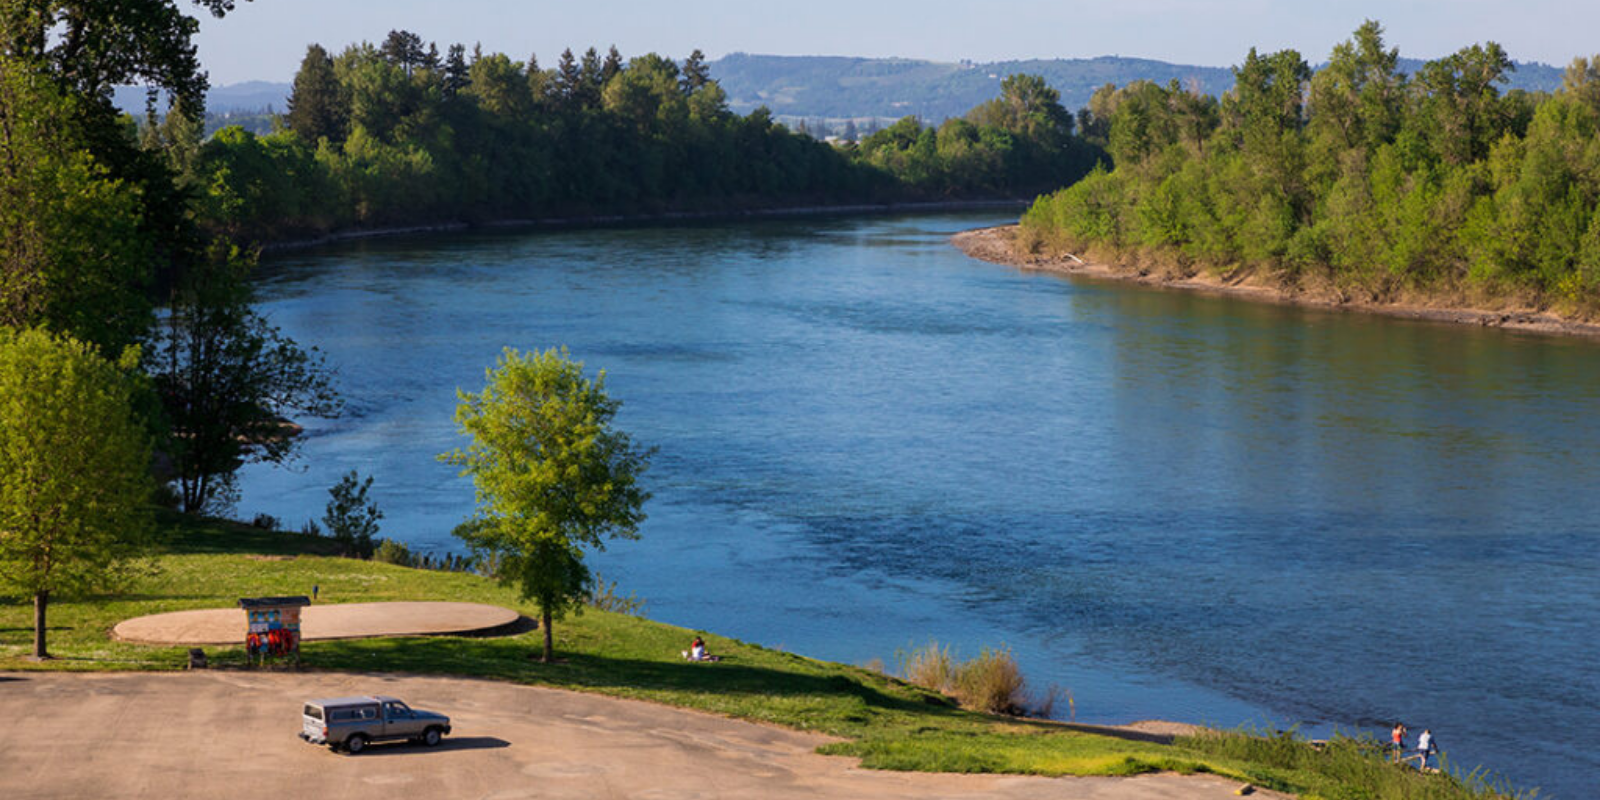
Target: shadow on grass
(194,535)
(1115,733)
(210,599)
(448,744)
(490,658)
(522,624)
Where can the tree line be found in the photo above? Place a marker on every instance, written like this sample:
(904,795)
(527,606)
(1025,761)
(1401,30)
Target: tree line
(133,365)
(136,368)
(1356,177)
(401,133)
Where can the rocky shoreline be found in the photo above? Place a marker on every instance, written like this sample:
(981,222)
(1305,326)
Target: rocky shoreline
(998,246)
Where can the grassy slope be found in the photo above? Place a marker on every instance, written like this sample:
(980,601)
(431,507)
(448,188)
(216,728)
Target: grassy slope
(884,721)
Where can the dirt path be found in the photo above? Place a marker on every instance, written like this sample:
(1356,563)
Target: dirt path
(995,246)
(232,734)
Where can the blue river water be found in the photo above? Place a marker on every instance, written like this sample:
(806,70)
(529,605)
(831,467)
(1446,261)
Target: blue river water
(1171,505)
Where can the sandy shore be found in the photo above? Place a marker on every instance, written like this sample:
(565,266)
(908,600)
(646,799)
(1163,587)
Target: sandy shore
(997,246)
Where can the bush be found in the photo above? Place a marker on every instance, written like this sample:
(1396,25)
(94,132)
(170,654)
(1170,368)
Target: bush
(390,551)
(931,667)
(991,683)
(604,596)
(351,518)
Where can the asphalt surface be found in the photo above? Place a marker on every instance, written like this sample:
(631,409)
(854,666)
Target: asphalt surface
(232,734)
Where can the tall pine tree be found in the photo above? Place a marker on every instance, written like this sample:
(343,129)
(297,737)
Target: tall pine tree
(318,108)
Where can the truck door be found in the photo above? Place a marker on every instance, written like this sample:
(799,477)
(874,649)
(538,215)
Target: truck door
(398,721)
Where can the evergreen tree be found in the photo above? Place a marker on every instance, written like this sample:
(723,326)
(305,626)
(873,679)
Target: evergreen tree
(567,88)
(592,81)
(456,75)
(612,66)
(403,49)
(538,82)
(318,105)
(695,72)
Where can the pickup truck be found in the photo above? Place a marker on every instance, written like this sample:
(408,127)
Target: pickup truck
(352,723)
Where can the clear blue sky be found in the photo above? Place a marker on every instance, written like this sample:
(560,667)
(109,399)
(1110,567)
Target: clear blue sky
(265,39)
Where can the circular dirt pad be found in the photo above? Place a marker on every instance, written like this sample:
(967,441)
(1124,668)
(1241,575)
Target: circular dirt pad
(340,621)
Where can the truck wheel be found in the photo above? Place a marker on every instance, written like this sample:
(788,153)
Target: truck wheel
(430,737)
(355,744)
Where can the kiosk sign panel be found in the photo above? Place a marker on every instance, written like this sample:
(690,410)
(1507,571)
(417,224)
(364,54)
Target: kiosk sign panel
(273,626)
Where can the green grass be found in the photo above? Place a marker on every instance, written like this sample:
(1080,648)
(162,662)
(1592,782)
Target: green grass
(887,723)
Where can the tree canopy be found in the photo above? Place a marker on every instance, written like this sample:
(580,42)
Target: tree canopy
(1360,177)
(554,477)
(380,135)
(75,255)
(74,469)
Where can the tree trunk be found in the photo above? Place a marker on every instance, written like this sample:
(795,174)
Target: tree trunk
(549,639)
(40,602)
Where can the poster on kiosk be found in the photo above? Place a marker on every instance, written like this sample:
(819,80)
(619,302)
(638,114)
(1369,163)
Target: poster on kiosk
(273,626)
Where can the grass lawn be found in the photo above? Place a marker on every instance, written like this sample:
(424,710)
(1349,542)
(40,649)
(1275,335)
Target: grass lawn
(887,723)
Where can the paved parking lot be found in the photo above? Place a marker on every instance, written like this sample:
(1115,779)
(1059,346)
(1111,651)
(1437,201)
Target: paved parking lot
(232,734)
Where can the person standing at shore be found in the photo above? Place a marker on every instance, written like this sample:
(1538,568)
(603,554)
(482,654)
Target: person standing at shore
(1397,740)
(1425,746)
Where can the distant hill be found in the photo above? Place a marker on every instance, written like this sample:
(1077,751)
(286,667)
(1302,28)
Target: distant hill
(231,99)
(832,87)
(838,87)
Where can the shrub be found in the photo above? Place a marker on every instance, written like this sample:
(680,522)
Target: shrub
(990,683)
(352,518)
(604,596)
(931,667)
(390,551)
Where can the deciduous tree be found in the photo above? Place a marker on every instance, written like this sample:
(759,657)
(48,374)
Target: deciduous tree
(553,477)
(74,253)
(74,470)
(228,380)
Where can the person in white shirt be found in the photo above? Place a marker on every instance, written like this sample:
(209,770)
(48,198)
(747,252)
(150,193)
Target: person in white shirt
(1426,746)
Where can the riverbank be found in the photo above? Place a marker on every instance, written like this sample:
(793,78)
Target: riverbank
(998,245)
(665,217)
(866,714)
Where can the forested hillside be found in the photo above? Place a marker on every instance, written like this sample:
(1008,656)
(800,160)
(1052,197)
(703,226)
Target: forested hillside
(401,134)
(1358,178)
(834,87)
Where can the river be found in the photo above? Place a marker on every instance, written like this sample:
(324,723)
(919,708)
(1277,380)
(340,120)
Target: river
(1171,505)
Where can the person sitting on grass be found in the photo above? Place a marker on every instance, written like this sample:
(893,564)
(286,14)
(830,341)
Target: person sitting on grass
(697,651)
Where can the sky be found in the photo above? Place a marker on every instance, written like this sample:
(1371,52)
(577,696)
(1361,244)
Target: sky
(265,39)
